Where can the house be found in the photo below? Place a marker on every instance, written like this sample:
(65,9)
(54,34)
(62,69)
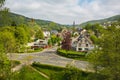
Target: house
(46,34)
(75,34)
(40,43)
(82,42)
(54,32)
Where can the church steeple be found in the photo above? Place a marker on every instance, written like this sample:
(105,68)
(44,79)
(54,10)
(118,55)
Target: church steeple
(73,23)
(74,26)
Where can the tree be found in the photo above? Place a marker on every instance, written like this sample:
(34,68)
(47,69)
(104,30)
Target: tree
(94,39)
(20,35)
(1,4)
(96,28)
(71,73)
(54,40)
(66,43)
(5,71)
(4,19)
(7,40)
(39,34)
(106,58)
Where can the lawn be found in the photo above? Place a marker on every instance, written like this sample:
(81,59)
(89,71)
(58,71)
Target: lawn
(59,73)
(47,69)
(27,73)
(54,72)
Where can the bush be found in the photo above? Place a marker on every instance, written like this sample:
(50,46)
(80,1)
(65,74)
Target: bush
(71,54)
(45,66)
(68,73)
(14,63)
(36,50)
(27,73)
(59,73)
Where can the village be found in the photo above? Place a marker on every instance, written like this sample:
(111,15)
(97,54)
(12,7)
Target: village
(80,41)
(59,40)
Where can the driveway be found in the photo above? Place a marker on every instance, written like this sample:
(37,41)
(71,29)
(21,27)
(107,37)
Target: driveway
(49,56)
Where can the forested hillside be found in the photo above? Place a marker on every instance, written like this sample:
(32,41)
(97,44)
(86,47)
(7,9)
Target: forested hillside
(16,20)
(101,21)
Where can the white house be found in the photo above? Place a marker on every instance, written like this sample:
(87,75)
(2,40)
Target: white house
(46,34)
(40,43)
(82,42)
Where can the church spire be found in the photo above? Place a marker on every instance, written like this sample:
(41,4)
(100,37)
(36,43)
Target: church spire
(73,23)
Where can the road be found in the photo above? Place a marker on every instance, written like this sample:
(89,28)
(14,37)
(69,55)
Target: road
(49,56)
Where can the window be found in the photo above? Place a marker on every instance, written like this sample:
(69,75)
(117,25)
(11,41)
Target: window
(79,44)
(86,49)
(86,45)
(80,49)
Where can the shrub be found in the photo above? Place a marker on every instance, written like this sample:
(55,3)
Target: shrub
(36,50)
(14,63)
(71,54)
(45,66)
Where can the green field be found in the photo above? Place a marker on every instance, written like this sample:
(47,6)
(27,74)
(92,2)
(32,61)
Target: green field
(59,73)
(27,73)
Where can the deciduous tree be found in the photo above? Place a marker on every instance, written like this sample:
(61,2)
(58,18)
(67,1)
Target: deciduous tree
(39,34)
(66,43)
(106,58)
(7,40)
(4,19)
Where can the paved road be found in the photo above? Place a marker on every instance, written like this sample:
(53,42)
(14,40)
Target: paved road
(49,56)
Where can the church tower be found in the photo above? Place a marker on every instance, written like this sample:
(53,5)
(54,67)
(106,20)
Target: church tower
(74,26)
(73,23)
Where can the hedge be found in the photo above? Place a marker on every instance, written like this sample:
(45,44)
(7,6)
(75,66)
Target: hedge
(45,66)
(71,54)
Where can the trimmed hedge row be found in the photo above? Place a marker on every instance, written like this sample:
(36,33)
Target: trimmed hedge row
(36,50)
(71,54)
(45,66)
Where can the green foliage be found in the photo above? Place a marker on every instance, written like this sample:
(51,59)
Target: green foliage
(73,73)
(13,19)
(54,26)
(72,54)
(7,40)
(27,73)
(4,15)
(94,39)
(14,38)
(101,21)
(56,68)
(14,63)
(35,50)
(54,40)
(39,34)
(95,32)
(5,72)
(96,28)
(106,58)
(53,72)
(59,73)
(20,35)
(1,3)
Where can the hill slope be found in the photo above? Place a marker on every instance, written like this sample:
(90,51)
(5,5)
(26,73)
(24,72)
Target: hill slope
(101,21)
(17,19)
(20,19)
